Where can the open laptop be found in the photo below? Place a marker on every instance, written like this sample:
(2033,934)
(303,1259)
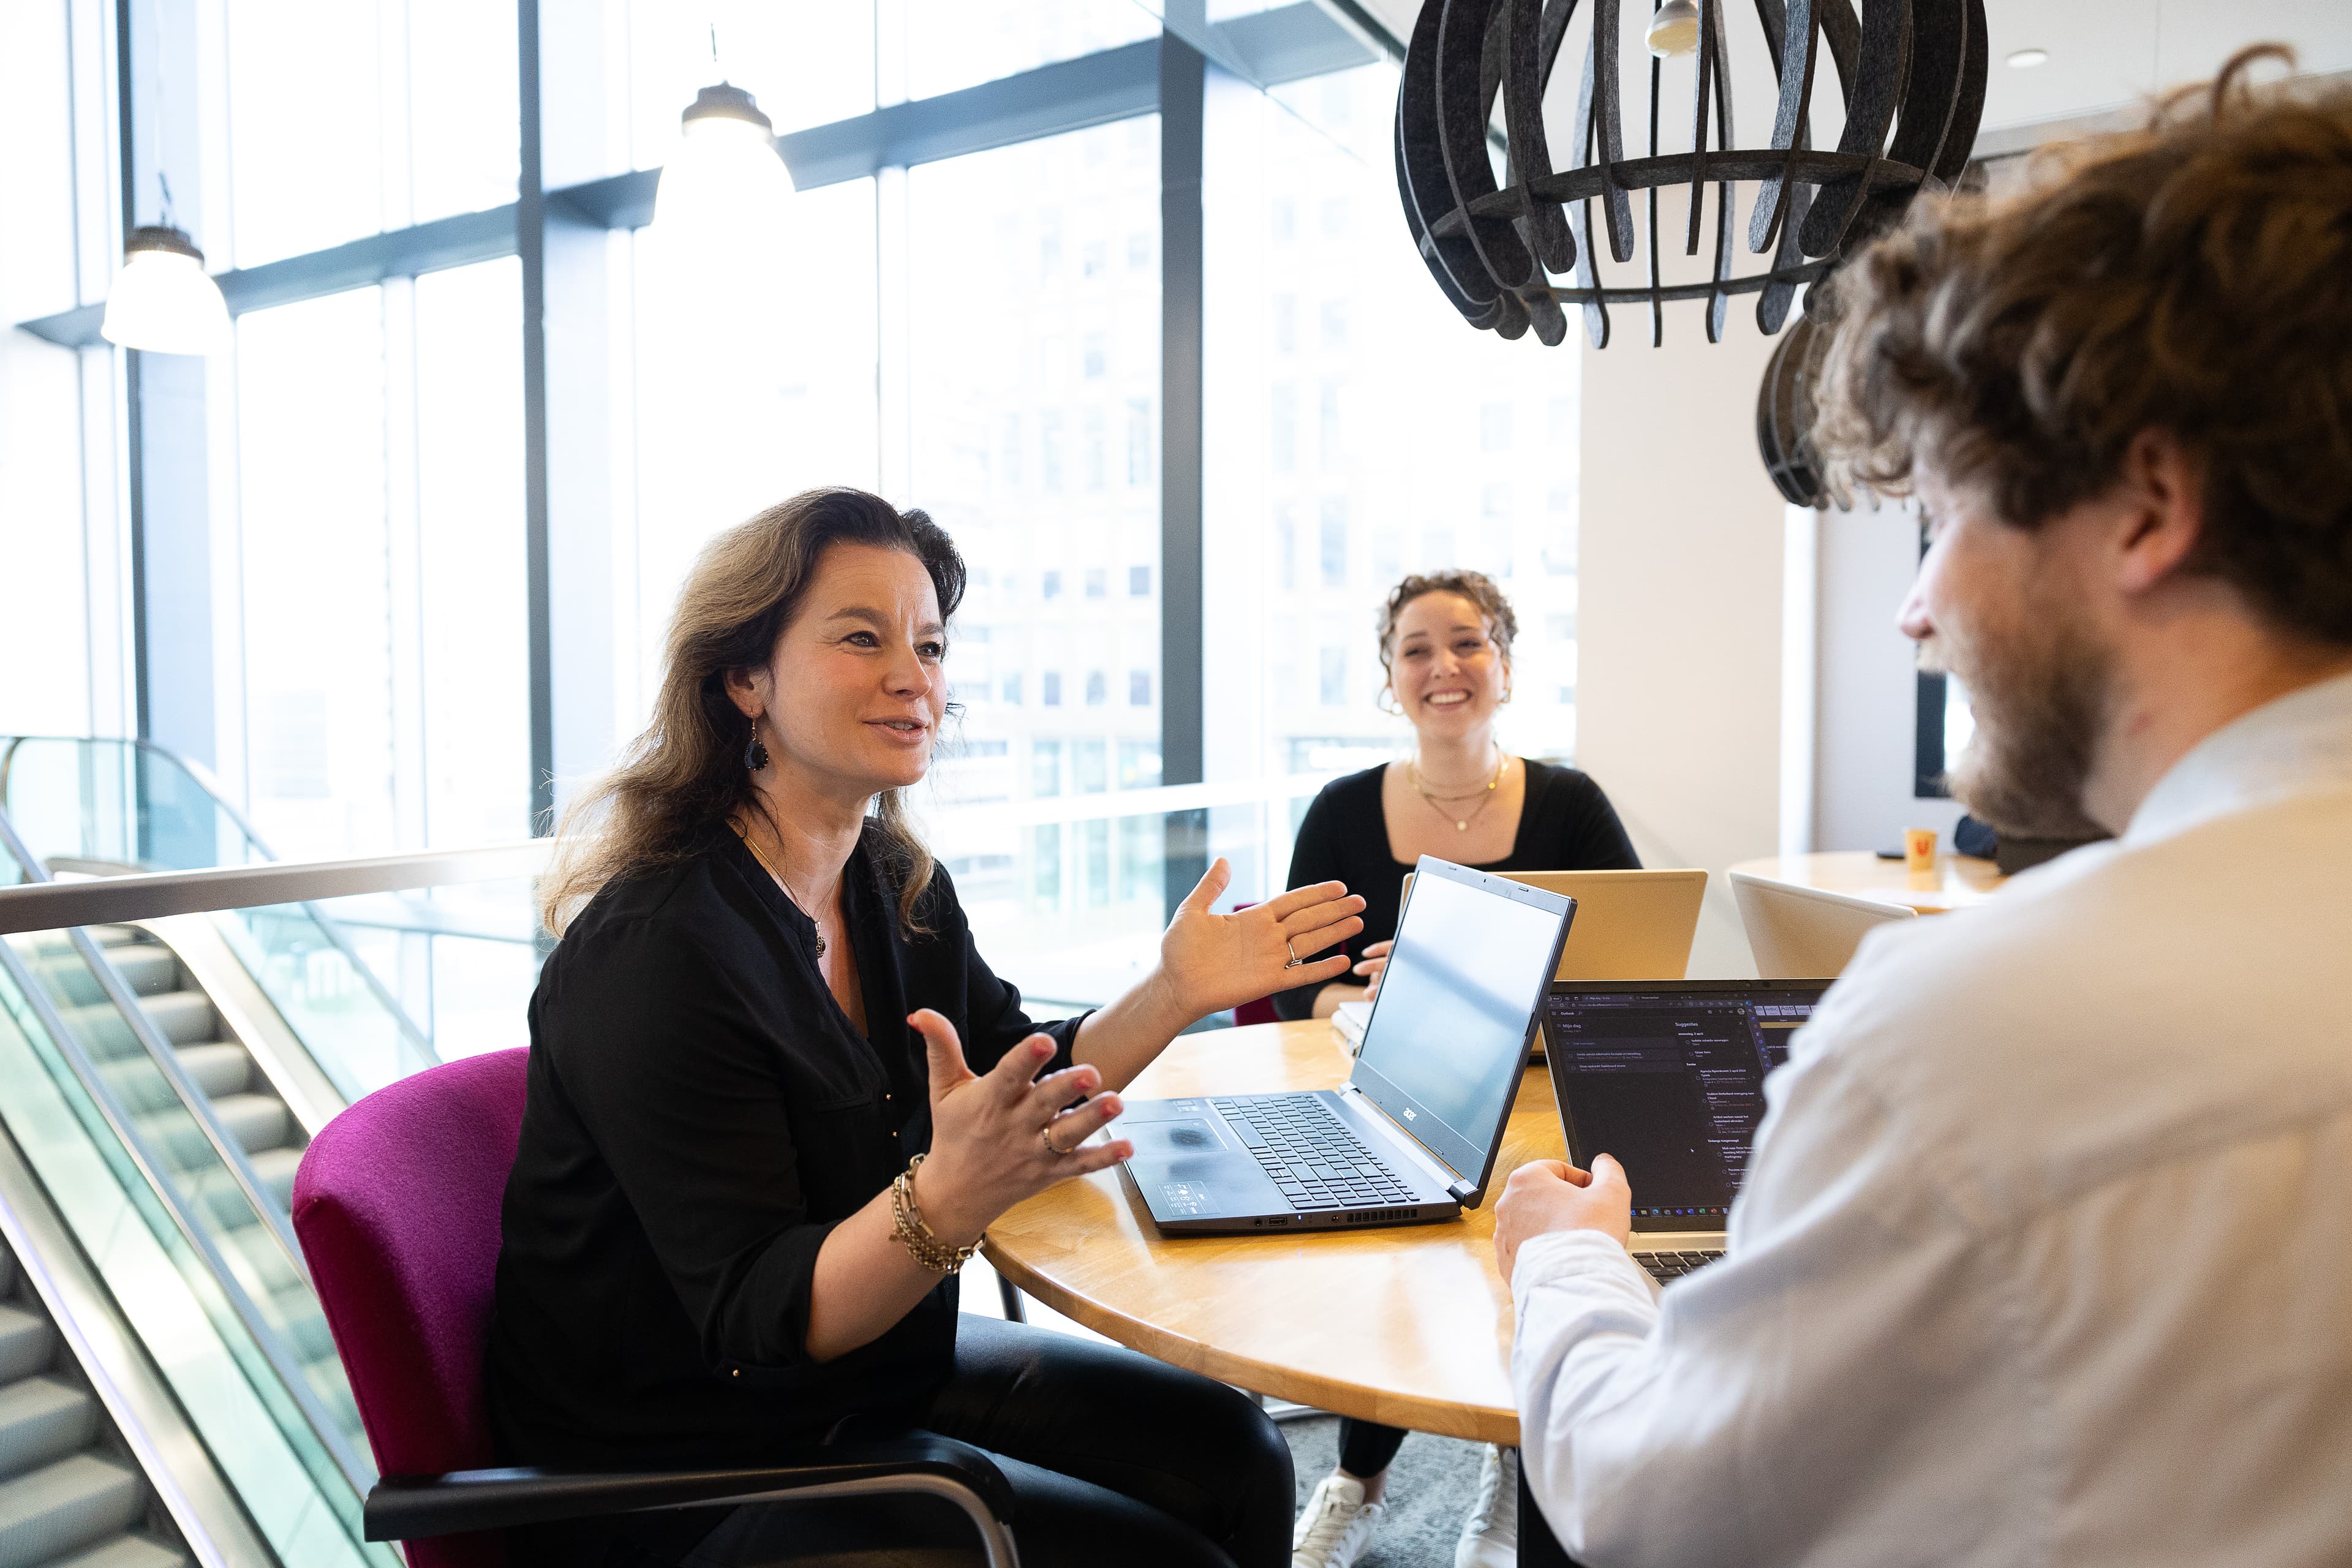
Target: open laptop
(1630,925)
(1794,929)
(1669,1080)
(1412,1136)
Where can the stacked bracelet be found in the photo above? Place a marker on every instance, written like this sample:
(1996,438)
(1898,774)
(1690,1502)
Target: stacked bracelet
(928,1251)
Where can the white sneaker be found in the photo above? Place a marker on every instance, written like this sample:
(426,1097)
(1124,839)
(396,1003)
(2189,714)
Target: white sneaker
(1490,1536)
(1335,1525)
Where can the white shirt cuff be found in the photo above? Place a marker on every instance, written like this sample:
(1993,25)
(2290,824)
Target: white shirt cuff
(1562,1254)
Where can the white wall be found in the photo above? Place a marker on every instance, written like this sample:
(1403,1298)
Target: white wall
(1680,625)
(1866,691)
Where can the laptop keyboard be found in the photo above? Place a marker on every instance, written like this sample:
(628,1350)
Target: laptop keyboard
(1315,1160)
(1669,1265)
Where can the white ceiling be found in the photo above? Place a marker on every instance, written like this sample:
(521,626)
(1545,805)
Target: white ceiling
(2108,53)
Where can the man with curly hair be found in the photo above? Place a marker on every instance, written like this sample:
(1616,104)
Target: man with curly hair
(2044,1254)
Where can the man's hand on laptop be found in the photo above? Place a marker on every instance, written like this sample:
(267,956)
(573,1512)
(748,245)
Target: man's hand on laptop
(1547,1195)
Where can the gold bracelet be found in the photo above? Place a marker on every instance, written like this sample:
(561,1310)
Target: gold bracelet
(928,1251)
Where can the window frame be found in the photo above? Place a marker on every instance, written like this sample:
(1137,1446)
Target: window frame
(545,226)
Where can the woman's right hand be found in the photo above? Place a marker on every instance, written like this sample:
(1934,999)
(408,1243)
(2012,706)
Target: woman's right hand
(1375,964)
(999,1137)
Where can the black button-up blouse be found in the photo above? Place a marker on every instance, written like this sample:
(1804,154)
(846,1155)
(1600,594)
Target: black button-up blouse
(701,1114)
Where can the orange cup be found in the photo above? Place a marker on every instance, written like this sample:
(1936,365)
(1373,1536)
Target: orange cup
(1918,849)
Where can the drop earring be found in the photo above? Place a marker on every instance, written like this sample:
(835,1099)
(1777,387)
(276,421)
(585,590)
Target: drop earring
(755,755)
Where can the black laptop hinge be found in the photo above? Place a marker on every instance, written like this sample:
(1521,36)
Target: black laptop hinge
(1463,1191)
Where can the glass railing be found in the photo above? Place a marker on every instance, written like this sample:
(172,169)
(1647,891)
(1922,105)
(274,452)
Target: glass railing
(107,805)
(103,807)
(1067,895)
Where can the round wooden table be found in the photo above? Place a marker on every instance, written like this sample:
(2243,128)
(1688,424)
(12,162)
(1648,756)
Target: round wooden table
(1958,880)
(1408,1325)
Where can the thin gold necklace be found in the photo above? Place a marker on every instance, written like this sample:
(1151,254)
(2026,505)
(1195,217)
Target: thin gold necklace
(769,867)
(1486,795)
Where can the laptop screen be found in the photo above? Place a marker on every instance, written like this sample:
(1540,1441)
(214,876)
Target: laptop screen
(1670,1080)
(1448,1034)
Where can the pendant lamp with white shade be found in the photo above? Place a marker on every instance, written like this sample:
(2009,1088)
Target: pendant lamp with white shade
(162,301)
(725,190)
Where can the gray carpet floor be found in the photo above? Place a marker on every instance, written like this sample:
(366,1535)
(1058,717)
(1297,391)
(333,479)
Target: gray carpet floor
(1431,1488)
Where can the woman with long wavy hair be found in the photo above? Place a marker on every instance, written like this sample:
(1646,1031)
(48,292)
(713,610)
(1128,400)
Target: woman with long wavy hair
(776,1096)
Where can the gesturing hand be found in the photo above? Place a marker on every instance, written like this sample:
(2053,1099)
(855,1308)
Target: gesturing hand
(1222,960)
(1547,1195)
(1375,965)
(998,1138)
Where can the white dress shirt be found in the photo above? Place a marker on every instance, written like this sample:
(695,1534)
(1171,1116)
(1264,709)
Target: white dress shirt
(2045,1251)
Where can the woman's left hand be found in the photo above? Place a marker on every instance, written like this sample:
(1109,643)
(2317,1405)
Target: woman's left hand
(1216,961)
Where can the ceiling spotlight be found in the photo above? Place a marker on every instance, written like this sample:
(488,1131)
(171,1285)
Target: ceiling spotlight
(162,301)
(1674,29)
(2026,59)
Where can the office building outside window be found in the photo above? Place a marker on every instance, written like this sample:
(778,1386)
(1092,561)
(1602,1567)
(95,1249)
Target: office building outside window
(1034,404)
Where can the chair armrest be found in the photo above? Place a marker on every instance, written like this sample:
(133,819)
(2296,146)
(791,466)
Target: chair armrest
(410,1508)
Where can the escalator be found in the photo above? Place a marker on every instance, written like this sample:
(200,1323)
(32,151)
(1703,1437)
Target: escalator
(160,1095)
(230,1084)
(71,1494)
(159,1082)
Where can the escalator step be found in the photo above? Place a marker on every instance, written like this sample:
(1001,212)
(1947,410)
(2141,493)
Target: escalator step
(63,1506)
(276,1167)
(41,1419)
(256,1121)
(218,1069)
(125,1552)
(149,970)
(25,1343)
(181,1017)
(184,1017)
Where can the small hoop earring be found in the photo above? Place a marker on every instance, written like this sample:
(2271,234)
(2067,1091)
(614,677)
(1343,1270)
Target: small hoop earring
(1395,710)
(755,755)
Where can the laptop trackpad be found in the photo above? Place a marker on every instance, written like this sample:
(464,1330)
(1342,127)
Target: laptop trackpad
(1189,1135)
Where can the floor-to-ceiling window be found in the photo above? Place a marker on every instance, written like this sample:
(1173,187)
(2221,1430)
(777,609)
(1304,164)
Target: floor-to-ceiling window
(1032,320)
(966,317)
(1357,430)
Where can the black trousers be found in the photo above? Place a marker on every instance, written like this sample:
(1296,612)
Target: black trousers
(1112,1456)
(1367,1448)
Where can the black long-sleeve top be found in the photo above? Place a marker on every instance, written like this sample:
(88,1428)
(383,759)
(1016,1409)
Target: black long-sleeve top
(701,1114)
(1566,824)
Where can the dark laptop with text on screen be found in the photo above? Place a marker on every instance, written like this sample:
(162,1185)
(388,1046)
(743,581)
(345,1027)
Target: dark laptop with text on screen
(1667,1077)
(1411,1135)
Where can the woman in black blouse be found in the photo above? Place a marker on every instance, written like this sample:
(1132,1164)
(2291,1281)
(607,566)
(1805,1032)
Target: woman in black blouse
(775,1096)
(1445,643)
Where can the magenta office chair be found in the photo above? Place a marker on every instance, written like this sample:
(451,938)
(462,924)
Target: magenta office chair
(397,1206)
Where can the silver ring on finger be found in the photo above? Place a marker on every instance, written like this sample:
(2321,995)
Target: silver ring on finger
(1296,962)
(1045,1136)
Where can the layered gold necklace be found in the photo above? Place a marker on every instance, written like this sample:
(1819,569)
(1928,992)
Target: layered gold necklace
(1485,796)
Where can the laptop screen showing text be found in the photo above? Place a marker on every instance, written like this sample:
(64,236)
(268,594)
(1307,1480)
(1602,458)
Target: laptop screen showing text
(1672,1084)
(1450,1029)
